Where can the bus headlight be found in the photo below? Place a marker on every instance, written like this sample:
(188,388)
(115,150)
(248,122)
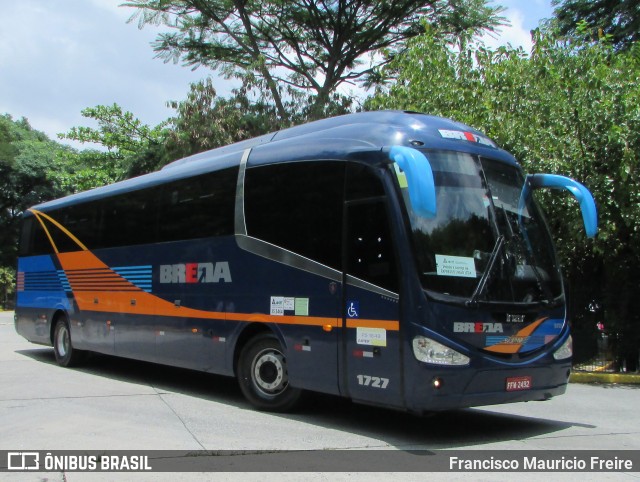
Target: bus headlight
(430,351)
(565,351)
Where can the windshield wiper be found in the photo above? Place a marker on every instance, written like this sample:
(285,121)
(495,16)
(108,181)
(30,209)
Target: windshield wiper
(486,275)
(523,241)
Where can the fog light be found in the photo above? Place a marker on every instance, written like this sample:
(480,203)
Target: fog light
(437,383)
(565,351)
(430,351)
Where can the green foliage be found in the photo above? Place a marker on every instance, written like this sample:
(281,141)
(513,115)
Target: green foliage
(25,164)
(617,20)
(75,171)
(309,46)
(118,131)
(7,284)
(204,121)
(132,148)
(569,108)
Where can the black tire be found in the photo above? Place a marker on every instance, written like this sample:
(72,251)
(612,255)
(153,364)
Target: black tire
(263,376)
(66,354)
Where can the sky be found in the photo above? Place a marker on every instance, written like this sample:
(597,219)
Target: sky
(58,57)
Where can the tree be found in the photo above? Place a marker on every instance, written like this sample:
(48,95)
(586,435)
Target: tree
(285,48)
(25,160)
(132,148)
(205,121)
(569,108)
(7,284)
(619,19)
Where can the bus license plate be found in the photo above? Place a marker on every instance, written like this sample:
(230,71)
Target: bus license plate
(515,384)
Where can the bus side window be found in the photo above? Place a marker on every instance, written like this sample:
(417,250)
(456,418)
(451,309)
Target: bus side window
(369,247)
(130,219)
(370,254)
(83,221)
(297,206)
(33,240)
(198,207)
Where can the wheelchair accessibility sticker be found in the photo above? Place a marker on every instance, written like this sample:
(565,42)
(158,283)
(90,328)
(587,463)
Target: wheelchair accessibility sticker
(353,309)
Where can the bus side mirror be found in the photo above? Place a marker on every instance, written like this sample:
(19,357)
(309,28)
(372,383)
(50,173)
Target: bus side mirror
(581,193)
(419,179)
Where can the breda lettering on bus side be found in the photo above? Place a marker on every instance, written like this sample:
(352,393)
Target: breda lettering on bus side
(195,273)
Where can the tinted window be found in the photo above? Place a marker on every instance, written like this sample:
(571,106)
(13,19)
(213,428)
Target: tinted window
(198,207)
(362,183)
(33,239)
(129,219)
(369,248)
(370,255)
(81,220)
(298,206)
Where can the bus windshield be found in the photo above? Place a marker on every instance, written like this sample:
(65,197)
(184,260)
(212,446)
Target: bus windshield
(480,247)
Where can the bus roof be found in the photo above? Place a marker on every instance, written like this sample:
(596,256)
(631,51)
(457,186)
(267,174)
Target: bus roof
(332,138)
(376,129)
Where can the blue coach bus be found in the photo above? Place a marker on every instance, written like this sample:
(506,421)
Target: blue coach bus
(393,258)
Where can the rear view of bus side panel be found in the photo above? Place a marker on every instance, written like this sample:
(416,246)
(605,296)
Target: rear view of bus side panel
(42,290)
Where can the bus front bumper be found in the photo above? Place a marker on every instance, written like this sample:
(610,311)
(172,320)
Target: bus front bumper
(445,389)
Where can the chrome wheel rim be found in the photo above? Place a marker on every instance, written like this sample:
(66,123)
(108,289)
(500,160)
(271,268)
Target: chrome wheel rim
(62,341)
(269,372)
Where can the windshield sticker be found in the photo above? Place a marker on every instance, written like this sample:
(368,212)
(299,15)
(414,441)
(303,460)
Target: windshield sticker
(466,136)
(371,336)
(455,266)
(402,177)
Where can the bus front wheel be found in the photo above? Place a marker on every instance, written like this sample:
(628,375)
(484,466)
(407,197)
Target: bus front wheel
(263,377)
(66,354)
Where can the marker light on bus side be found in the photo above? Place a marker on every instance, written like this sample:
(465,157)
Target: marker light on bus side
(430,351)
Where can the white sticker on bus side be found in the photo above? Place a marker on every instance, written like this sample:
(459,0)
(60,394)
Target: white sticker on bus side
(277,305)
(289,303)
(371,336)
(455,266)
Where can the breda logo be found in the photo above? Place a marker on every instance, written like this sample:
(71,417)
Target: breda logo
(195,273)
(478,327)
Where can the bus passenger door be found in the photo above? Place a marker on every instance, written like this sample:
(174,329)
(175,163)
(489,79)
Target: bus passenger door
(371,345)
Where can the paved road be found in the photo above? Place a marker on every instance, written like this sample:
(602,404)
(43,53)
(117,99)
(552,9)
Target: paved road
(115,404)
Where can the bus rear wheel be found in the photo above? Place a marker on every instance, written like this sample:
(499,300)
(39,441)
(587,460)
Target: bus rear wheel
(263,376)
(66,354)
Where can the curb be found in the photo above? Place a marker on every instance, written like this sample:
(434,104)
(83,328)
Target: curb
(588,377)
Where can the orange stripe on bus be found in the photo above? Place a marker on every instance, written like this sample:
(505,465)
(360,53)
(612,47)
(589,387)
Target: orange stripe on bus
(514,347)
(96,293)
(146,304)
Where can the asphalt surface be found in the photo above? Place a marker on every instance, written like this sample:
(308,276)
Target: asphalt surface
(116,404)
